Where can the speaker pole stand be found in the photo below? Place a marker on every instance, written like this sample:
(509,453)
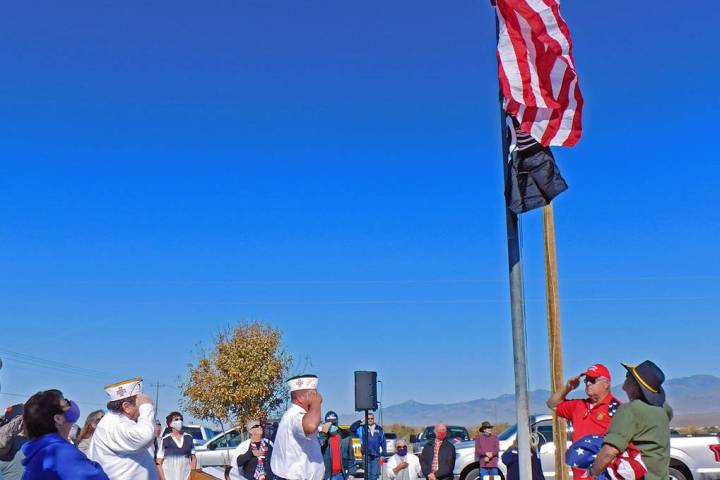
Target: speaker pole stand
(366,459)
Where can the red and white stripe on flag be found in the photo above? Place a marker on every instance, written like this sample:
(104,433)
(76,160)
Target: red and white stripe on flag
(537,71)
(628,466)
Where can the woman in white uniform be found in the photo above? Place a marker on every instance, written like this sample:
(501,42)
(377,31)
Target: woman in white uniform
(176,455)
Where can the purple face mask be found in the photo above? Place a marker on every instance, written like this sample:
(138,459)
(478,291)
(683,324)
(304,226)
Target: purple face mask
(402,451)
(72,414)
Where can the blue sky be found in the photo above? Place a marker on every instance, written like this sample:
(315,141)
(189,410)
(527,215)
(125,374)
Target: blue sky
(332,168)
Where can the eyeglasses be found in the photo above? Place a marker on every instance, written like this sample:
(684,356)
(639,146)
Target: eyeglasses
(593,380)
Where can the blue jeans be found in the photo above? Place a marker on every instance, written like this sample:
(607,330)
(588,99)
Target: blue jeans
(488,471)
(373,468)
(339,476)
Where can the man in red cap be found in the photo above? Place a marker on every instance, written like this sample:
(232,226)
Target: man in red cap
(592,415)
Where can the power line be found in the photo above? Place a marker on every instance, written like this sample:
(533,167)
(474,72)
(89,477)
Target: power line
(54,365)
(410,301)
(420,281)
(26,396)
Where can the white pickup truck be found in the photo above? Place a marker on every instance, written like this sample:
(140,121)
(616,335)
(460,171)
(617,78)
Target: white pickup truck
(692,457)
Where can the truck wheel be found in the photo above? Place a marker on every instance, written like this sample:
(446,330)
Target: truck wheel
(676,474)
(473,474)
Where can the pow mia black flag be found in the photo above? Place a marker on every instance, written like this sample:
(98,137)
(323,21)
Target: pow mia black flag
(533,176)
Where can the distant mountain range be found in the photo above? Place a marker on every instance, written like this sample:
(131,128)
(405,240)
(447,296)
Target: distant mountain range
(695,399)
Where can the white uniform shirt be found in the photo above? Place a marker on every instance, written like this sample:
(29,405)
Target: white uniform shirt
(412,471)
(296,456)
(121,446)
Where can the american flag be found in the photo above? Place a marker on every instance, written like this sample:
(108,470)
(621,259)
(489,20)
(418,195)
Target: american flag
(626,466)
(537,71)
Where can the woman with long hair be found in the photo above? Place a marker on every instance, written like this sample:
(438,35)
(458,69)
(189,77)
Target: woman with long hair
(83,440)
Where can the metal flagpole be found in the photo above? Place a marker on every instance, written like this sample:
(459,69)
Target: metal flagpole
(517,310)
(554,337)
(366,457)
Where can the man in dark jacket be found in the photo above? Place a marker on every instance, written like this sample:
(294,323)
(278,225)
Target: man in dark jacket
(337,449)
(376,445)
(438,456)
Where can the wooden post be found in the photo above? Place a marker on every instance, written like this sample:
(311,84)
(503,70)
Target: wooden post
(554,337)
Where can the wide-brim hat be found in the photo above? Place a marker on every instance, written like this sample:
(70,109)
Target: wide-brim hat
(486,425)
(650,378)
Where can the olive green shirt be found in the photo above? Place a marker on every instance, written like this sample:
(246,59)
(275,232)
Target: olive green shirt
(648,428)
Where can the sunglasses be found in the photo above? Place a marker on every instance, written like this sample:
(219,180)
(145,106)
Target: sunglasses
(592,380)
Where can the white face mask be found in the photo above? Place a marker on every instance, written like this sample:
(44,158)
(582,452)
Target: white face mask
(176,424)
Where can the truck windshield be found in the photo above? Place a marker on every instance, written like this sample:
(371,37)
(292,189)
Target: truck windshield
(195,432)
(454,433)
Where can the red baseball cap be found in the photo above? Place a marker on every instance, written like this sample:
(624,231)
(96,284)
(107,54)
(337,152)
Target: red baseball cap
(598,370)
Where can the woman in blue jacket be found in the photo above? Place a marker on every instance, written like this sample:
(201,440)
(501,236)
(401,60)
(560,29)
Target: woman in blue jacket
(48,418)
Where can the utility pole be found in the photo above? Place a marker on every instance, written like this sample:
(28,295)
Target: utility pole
(380,403)
(157,386)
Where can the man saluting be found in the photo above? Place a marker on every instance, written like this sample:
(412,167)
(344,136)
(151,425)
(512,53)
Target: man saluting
(122,440)
(297,454)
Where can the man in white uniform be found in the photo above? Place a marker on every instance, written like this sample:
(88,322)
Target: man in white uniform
(122,440)
(297,454)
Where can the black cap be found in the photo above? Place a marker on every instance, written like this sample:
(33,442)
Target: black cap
(331,417)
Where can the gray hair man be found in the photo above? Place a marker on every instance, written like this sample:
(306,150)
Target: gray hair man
(403,465)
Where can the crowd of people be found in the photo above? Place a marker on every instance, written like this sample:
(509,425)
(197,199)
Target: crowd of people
(39,440)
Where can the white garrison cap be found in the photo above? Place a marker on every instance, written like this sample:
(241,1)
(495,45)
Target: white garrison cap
(303,382)
(124,389)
